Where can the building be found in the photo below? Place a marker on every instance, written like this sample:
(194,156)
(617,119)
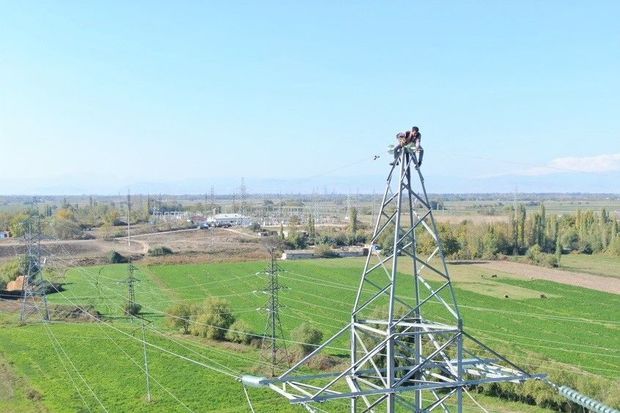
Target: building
(298,254)
(227,220)
(352,252)
(4,234)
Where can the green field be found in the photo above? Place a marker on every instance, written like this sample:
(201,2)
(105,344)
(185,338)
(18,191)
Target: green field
(572,331)
(599,264)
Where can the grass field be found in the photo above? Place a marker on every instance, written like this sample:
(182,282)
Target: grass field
(592,264)
(572,330)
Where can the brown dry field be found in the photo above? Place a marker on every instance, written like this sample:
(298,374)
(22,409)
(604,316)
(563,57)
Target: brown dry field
(584,280)
(191,245)
(477,276)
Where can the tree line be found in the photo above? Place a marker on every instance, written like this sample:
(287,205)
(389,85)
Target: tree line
(541,237)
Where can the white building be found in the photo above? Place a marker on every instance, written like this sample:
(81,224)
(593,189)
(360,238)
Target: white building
(297,254)
(4,234)
(225,220)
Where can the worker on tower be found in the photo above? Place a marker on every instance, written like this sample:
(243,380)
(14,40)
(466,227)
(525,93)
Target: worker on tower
(406,138)
(416,139)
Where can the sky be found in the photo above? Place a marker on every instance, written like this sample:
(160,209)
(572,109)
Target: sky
(299,96)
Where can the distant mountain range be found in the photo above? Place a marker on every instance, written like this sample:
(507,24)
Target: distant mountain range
(553,183)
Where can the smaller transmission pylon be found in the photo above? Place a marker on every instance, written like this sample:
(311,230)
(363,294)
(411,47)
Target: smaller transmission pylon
(131,307)
(269,345)
(34,299)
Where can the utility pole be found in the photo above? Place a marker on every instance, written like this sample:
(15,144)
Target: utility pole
(269,343)
(243,196)
(128,218)
(33,285)
(212,197)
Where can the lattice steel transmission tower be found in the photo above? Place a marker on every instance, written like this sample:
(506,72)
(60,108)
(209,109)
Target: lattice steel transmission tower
(408,349)
(270,349)
(34,298)
(131,307)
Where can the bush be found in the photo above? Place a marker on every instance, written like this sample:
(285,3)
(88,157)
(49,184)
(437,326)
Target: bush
(114,257)
(341,239)
(179,316)
(132,309)
(212,319)
(159,251)
(9,271)
(550,261)
(298,240)
(307,338)
(325,251)
(239,332)
(535,256)
(614,247)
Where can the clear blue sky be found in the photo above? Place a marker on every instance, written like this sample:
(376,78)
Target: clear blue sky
(99,96)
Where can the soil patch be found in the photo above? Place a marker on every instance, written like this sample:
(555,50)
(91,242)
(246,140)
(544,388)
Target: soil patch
(584,280)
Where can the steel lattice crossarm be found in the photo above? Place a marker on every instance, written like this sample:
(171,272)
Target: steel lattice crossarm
(408,349)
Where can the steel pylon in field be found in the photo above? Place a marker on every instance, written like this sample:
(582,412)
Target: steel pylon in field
(34,299)
(408,350)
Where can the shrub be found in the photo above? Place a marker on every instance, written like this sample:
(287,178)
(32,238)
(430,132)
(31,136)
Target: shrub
(307,338)
(159,251)
(239,332)
(114,257)
(341,239)
(299,240)
(537,257)
(9,271)
(325,251)
(132,309)
(550,261)
(212,319)
(614,247)
(179,316)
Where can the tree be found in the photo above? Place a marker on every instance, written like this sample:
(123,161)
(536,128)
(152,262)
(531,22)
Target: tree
(353,222)
(521,225)
(16,225)
(65,225)
(310,228)
(558,251)
(179,316)
(307,338)
(132,308)
(213,319)
(514,230)
(240,332)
